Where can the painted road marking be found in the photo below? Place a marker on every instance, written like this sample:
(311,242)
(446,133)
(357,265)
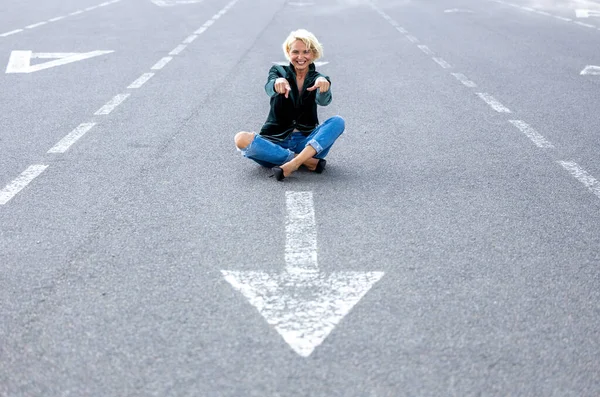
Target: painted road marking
(442,63)
(532,134)
(20,182)
(189,39)
(162,63)
(402,30)
(582,176)
(201,30)
(495,104)
(171,3)
(582,13)
(11,32)
(301,303)
(463,79)
(412,38)
(20,61)
(35,25)
(141,80)
(177,50)
(425,49)
(111,105)
(587,25)
(64,144)
(591,69)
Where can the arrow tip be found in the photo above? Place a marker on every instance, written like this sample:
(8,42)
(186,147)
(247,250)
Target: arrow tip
(303,308)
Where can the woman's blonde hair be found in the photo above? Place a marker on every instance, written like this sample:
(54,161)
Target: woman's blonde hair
(309,40)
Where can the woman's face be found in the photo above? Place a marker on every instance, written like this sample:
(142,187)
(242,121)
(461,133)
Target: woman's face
(300,56)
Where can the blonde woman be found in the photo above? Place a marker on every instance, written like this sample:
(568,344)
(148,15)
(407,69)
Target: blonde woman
(292,135)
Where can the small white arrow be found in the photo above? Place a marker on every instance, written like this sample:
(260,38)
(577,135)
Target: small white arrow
(591,69)
(301,303)
(170,3)
(317,64)
(581,13)
(20,61)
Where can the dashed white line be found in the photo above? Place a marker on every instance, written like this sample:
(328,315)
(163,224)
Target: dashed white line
(208,23)
(216,16)
(563,18)
(495,104)
(91,8)
(189,39)
(201,30)
(64,144)
(10,191)
(442,63)
(177,50)
(543,13)
(77,12)
(111,105)
(532,134)
(425,49)
(412,38)
(582,176)
(11,32)
(587,25)
(57,18)
(463,79)
(35,25)
(402,30)
(141,80)
(161,64)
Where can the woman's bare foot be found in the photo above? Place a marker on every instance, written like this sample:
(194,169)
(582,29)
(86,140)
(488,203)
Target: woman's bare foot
(289,167)
(311,163)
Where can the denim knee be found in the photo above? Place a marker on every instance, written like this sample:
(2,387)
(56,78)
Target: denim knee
(338,122)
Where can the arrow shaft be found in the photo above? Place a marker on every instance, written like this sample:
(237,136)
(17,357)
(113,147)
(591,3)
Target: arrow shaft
(300,233)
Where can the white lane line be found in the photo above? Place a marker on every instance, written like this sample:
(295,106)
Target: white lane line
(64,144)
(35,25)
(141,80)
(11,32)
(91,8)
(425,49)
(490,100)
(111,105)
(442,63)
(216,16)
(532,134)
(394,24)
(57,18)
(161,64)
(527,9)
(582,176)
(201,30)
(463,79)
(412,38)
(300,232)
(402,30)
(543,13)
(189,39)
(77,12)
(587,25)
(563,18)
(177,50)
(208,23)
(20,182)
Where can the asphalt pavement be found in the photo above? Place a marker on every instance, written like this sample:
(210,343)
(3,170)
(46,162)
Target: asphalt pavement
(450,248)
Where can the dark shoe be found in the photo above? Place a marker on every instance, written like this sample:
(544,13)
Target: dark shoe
(320,166)
(278,173)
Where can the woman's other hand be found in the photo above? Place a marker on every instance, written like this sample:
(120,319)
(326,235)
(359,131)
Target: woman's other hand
(282,86)
(321,83)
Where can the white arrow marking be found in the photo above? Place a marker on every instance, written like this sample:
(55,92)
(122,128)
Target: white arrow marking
(301,303)
(170,3)
(317,64)
(579,13)
(20,61)
(591,69)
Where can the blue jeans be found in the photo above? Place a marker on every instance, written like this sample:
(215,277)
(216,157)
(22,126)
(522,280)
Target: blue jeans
(270,154)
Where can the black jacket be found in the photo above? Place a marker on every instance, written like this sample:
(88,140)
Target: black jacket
(298,110)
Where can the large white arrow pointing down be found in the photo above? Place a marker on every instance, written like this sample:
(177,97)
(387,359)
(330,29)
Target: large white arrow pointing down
(301,303)
(591,69)
(20,61)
